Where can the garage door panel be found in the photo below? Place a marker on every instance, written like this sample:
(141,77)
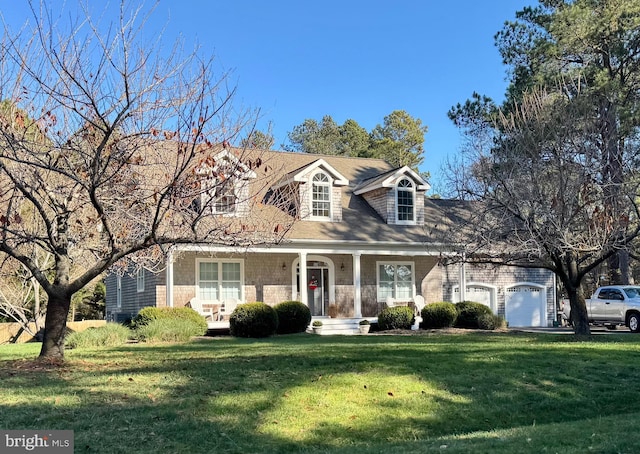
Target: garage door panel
(525,306)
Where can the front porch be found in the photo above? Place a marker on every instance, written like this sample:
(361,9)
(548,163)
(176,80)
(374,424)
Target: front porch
(345,326)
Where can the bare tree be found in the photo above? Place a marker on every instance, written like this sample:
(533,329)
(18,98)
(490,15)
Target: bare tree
(114,150)
(21,298)
(542,200)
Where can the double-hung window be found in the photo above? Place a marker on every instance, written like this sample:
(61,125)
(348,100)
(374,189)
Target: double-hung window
(405,201)
(224,199)
(140,280)
(321,196)
(395,280)
(219,280)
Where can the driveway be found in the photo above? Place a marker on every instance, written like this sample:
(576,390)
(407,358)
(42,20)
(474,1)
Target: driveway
(569,330)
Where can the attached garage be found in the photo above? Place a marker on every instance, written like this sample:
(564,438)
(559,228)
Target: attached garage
(479,293)
(525,304)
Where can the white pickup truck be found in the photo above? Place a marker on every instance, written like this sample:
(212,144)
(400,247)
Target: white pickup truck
(611,306)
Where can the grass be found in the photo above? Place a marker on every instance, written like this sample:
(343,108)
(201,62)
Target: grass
(457,393)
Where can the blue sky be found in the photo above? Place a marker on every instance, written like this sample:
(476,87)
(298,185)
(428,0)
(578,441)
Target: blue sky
(354,59)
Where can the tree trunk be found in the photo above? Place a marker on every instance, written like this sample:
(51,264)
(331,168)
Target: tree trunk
(579,316)
(55,326)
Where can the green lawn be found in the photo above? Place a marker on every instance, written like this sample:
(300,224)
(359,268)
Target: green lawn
(455,393)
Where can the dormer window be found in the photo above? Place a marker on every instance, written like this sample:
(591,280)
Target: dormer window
(313,192)
(405,201)
(224,182)
(321,196)
(225,199)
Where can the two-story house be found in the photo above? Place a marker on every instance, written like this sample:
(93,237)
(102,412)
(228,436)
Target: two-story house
(361,232)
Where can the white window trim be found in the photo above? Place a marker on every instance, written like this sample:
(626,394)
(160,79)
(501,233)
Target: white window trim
(220,262)
(118,291)
(413,196)
(140,280)
(330,185)
(391,262)
(211,195)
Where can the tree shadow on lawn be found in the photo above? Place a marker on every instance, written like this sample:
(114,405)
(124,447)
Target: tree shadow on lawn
(230,395)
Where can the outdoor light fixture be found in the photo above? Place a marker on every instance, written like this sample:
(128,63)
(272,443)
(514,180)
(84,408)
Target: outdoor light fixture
(284,266)
(342,267)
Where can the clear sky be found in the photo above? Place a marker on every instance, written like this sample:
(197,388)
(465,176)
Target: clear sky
(297,59)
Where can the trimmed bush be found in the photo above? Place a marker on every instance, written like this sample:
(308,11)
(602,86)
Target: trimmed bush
(110,335)
(167,330)
(438,315)
(293,317)
(145,315)
(253,320)
(491,322)
(397,317)
(469,312)
(148,314)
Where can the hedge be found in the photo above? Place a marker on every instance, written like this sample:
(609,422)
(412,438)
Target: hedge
(293,317)
(469,312)
(253,320)
(397,317)
(438,315)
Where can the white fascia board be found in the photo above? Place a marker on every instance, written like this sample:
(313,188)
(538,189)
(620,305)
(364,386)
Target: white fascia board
(390,181)
(301,175)
(338,179)
(245,173)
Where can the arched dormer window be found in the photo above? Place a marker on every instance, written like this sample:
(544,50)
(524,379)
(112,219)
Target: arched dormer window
(321,196)
(405,201)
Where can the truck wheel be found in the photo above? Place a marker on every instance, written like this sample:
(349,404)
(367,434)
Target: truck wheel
(633,322)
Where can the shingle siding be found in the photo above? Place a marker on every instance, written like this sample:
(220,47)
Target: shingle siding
(132,300)
(378,200)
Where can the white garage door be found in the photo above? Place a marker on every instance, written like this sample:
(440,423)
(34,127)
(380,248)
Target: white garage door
(526,305)
(474,293)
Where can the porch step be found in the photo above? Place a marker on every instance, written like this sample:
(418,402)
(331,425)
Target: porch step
(339,326)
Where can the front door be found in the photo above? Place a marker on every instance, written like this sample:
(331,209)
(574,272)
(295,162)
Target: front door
(317,288)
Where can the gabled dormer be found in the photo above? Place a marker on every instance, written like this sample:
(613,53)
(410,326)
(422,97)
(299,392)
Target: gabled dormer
(397,196)
(314,191)
(225,184)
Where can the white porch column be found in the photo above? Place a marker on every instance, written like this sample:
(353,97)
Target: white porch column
(169,278)
(357,293)
(463,278)
(304,299)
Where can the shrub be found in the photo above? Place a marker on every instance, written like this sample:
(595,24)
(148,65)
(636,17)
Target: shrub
(167,330)
(364,322)
(110,335)
(438,315)
(469,313)
(491,322)
(293,317)
(397,317)
(253,320)
(148,314)
(317,323)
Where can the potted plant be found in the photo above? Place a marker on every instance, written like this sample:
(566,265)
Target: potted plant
(364,326)
(316,326)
